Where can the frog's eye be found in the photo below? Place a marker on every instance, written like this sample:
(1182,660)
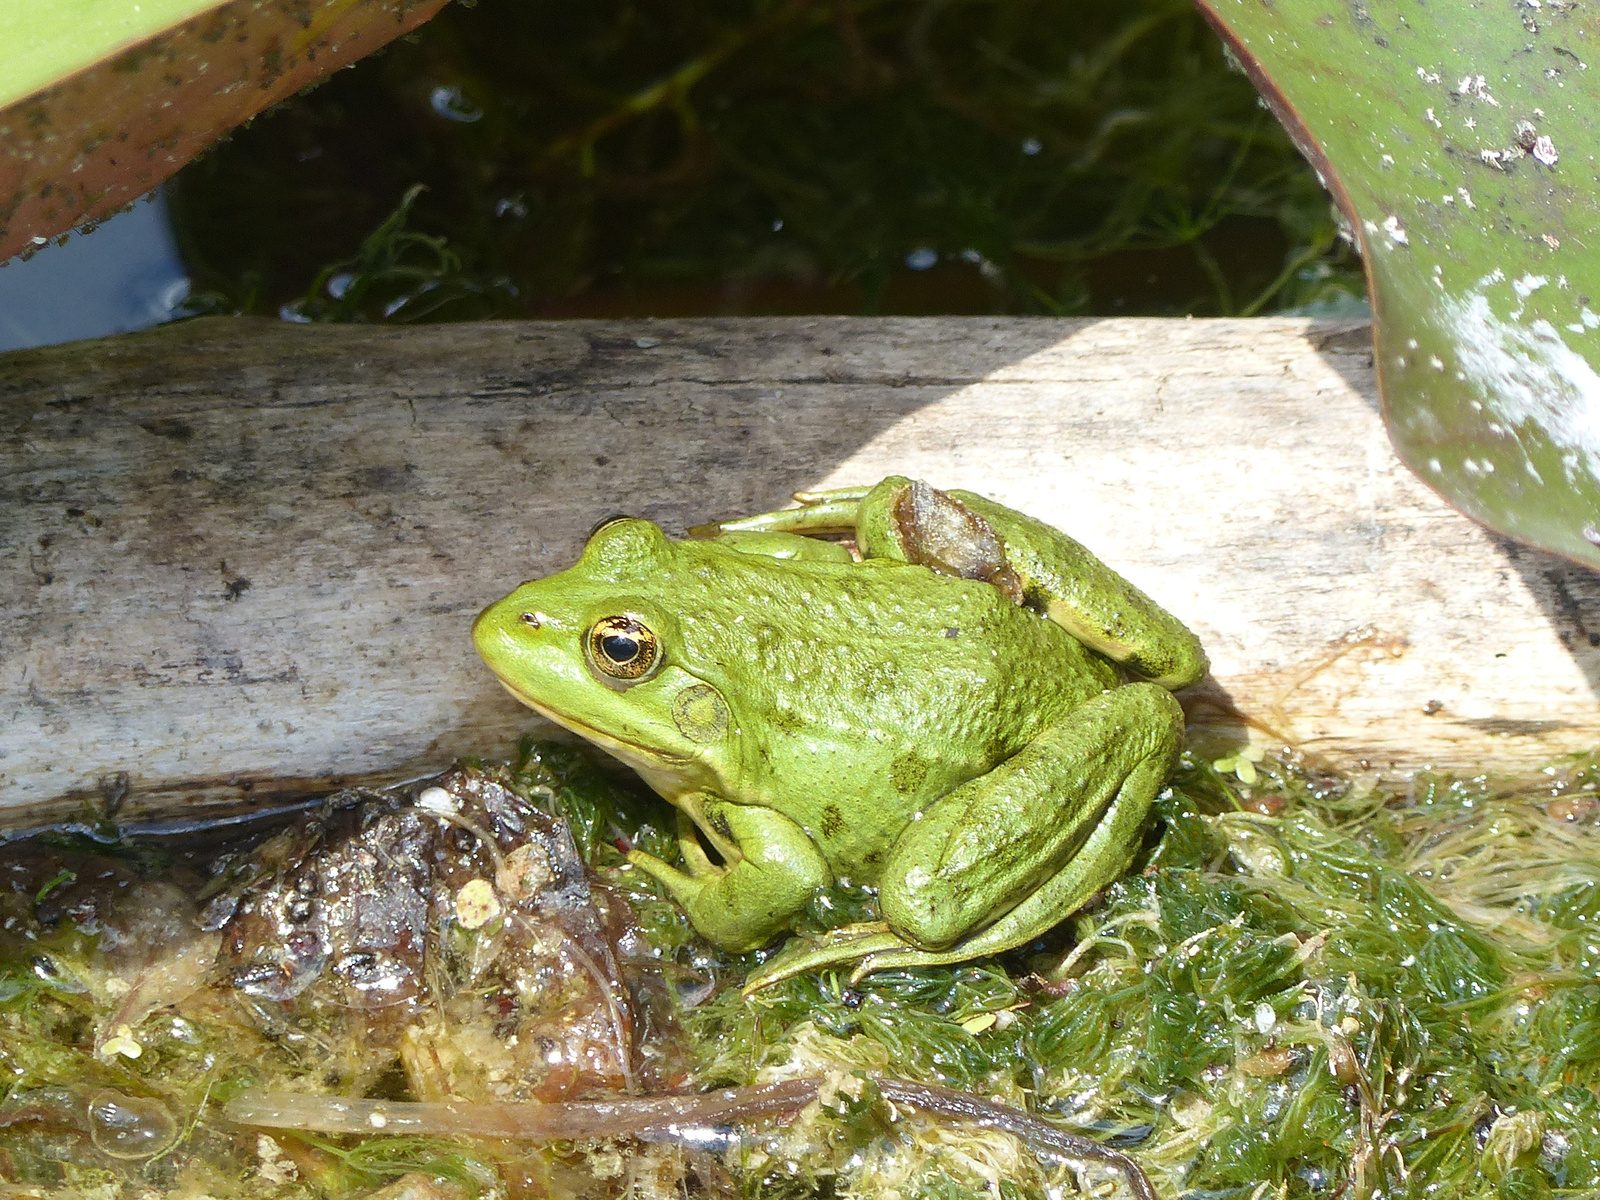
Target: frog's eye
(604,522)
(623,648)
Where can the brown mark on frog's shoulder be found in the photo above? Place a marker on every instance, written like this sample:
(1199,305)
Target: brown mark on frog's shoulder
(832,820)
(907,772)
(718,820)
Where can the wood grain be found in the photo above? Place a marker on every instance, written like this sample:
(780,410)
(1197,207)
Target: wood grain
(242,557)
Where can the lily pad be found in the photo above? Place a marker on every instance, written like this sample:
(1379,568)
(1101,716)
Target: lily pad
(100,100)
(1460,142)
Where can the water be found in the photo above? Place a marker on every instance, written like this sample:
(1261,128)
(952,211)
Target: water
(126,275)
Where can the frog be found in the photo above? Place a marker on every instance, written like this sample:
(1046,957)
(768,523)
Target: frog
(917,691)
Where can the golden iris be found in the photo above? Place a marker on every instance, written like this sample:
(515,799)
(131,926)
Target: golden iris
(623,647)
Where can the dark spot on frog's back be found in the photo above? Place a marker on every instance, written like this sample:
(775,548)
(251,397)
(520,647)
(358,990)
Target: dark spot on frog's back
(907,773)
(787,720)
(832,820)
(718,820)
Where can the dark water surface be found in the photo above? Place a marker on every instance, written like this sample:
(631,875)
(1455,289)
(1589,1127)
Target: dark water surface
(672,158)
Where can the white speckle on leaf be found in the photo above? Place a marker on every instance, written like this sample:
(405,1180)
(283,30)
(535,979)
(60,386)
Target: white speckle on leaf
(1433,120)
(1492,157)
(1528,285)
(1590,317)
(1449,199)
(1387,160)
(1427,76)
(1544,150)
(1436,362)
(1396,232)
(1435,466)
(1477,86)
(1471,123)
(1528,376)
(1551,240)
(1466,197)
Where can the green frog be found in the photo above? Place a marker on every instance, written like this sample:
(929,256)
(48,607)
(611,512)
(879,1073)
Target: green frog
(916,690)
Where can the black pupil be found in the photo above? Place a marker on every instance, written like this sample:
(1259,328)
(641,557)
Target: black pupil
(620,648)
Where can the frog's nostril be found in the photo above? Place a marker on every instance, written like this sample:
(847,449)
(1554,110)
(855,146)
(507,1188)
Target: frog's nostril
(530,619)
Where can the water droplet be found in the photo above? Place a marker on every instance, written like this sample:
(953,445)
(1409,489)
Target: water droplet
(1265,1018)
(452,105)
(922,258)
(1031,146)
(130,1126)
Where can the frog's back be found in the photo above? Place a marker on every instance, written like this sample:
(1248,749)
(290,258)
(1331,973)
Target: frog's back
(863,691)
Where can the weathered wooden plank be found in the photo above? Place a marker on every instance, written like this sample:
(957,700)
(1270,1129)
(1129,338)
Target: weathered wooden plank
(242,557)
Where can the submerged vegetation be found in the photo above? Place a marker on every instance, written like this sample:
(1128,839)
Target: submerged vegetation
(1306,987)
(672,157)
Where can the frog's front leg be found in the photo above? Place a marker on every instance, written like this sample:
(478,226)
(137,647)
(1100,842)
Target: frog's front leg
(1004,857)
(772,869)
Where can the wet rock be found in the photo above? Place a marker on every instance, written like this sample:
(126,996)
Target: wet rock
(453,926)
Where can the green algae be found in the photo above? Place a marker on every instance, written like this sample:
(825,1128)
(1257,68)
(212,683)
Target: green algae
(1308,986)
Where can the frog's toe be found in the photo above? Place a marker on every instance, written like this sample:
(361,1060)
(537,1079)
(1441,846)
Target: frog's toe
(900,956)
(836,948)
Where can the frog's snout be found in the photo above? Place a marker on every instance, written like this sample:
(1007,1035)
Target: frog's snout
(496,629)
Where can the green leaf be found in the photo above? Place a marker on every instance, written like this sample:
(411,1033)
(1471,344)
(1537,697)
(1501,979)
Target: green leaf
(47,42)
(100,100)
(1460,141)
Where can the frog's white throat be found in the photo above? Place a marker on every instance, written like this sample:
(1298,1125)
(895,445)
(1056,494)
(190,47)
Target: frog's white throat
(665,773)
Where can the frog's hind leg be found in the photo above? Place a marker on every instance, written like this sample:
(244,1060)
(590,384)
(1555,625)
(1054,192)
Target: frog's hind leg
(1032,840)
(1091,601)
(1035,838)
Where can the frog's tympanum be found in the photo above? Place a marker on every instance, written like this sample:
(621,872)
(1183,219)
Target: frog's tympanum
(970,713)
